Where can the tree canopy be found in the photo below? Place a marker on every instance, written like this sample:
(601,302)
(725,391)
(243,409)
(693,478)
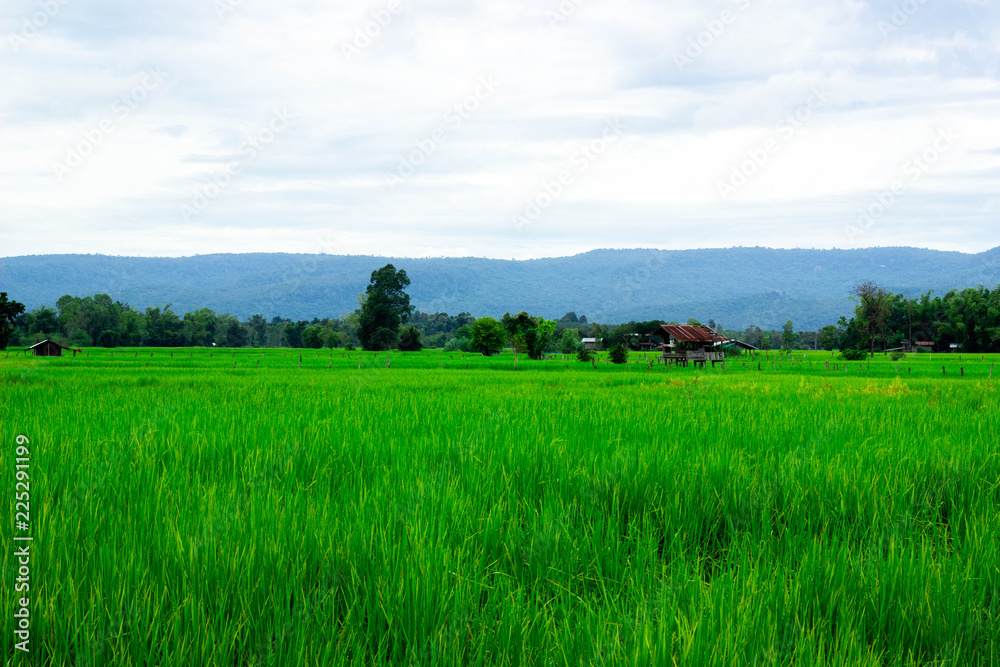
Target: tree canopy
(385,307)
(9,310)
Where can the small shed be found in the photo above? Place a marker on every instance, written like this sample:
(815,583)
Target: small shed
(924,345)
(694,343)
(590,343)
(49,348)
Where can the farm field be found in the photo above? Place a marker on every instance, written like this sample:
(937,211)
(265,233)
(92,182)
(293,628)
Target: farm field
(243,507)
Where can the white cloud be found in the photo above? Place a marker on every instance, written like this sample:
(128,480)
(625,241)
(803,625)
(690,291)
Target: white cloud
(559,81)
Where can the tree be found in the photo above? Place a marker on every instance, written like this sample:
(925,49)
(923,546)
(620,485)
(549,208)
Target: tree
(570,340)
(312,336)
(517,328)
(385,307)
(872,310)
(618,354)
(487,336)
(293,333)
(331,338)
(828,337)
(236,334)
(787,336)
(411,339)
(9,310)
(765,340)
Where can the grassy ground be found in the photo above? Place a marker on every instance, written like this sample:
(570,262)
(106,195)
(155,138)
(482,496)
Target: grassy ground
(212,508)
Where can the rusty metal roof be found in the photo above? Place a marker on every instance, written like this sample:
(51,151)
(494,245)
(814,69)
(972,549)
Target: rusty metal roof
(689,333)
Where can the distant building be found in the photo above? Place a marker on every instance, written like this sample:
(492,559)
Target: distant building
(924,345)
(49,348)
(590,343)
(695,343)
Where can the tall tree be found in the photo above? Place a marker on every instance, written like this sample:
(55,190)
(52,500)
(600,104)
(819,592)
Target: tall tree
(487,336)
(386,306)
(788,336)
(872,310)
(9,310)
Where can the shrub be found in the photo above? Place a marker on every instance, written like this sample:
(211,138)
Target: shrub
(854,355)
(349,346)
(331,339)
(583,354)
(896,355)
(411,339)
(618,354)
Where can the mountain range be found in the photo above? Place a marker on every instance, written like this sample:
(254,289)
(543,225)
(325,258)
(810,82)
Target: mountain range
(736,287)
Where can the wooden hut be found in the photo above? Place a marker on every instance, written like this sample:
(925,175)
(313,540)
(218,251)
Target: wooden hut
(691,343)
(49,348)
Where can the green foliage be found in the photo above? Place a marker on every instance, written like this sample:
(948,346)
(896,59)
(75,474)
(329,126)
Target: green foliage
(618,354)
(331,338)
(487,336)
(787,336)
(897,355)
(528,334)
(569,341)
(828,337)
(9,311)
(854,355)
(349,346)
(583,354)
(386,306)
(312,337)
(411,339)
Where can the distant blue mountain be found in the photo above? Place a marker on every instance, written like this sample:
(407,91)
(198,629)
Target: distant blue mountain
(734,286)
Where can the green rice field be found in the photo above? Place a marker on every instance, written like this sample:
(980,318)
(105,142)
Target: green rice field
(245,508)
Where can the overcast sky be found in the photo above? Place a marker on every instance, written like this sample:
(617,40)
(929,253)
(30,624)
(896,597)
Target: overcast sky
(511,129)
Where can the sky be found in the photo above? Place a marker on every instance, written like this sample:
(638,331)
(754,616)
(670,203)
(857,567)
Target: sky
(513,129)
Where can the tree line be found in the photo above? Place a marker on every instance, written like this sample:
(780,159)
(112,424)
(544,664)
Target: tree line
(385,319)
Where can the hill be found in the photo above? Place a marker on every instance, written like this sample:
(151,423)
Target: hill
(735,286)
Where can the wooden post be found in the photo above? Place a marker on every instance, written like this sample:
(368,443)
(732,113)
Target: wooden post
(944,371)
(962,371)
(828,366)
(359,363)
